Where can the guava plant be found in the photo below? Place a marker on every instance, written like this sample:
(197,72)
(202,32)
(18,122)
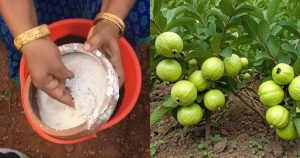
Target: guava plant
(218,48)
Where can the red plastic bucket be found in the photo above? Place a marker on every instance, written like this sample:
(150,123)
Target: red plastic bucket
(132,71)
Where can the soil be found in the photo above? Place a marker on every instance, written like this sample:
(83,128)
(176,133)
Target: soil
(129,138)
(239,133)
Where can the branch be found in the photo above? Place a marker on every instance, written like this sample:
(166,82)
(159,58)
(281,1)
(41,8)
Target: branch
(261,115)
(158,28)
(207,124)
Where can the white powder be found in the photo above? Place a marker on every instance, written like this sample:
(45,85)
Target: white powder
(89,88)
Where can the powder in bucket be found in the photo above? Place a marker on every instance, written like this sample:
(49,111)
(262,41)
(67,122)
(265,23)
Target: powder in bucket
(88,88)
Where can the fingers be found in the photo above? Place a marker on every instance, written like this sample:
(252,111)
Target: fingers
(63,73)
(93,43)
(115,59)
(58,91)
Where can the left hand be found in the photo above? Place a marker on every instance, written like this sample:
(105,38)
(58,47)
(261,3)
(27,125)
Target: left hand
(104,36)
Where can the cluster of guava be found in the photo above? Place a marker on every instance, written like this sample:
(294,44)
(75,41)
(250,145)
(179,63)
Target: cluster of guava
(271,94)
(184,92)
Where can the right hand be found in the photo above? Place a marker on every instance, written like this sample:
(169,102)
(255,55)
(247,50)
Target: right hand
(46,69)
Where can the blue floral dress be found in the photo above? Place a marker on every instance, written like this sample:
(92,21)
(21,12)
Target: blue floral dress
(48,11)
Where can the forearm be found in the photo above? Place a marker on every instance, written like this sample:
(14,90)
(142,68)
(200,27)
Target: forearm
(119,8)
(19,15)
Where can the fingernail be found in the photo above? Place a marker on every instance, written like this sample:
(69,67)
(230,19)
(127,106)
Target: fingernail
(87,46)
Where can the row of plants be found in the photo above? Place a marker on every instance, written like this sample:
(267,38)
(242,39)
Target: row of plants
(208,50)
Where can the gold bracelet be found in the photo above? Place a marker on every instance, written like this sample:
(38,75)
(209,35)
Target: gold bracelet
(116,20)
(31,35)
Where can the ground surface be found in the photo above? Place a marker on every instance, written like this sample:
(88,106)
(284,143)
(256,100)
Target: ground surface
(239,133)
(130,138)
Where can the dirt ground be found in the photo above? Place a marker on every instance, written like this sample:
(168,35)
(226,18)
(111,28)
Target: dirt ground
(239,133)
(129,138)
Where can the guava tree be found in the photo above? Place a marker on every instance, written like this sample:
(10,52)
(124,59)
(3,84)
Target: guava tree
(249,37)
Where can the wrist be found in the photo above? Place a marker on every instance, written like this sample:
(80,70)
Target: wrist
(112,27)
(31,35)
(33,45)
(113,19)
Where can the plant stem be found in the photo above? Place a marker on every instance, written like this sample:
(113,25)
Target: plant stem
(261,115)
(158,28)
(296,45)
(207,124)
(268,51)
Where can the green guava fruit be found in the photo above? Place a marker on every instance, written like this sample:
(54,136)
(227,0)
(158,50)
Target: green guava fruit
(214,99)
(184,92)
(287,133)
(233,65)
(212,68)
(197,78)
(282,74)
(294,88)
(277,116)
(244,62)
(189,115)
(168,70)
(246,76)
(168,44)
(270,93)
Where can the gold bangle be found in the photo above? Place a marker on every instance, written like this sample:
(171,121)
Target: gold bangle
(116,20)
(31,35)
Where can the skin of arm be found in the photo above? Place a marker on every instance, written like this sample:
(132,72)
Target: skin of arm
(42,55)
(105,34)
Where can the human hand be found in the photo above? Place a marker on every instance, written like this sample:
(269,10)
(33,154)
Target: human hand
(46,69)
(104,36)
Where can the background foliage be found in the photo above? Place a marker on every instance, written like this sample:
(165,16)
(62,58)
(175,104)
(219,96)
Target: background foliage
(264,31)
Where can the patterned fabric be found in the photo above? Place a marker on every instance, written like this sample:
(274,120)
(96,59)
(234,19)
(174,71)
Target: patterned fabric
(48,11)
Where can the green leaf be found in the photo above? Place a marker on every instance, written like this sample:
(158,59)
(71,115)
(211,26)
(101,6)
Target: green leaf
(200,6)
(215,42)
(261,55)
(200,98)
(169,103)
(296,66)
(272,9)
(249,25)
(215,138)
(242,84)
(258,13)
(290,26)
(190,2)
(297,107)
(202,146)
(244,8)
(226,52)
(296,12)
(284,58)
(229,81)
(288,47)
(161,110)
(160,21)
(192,65)
(226,7)
(195,45)
(157,6)
(296,121)
(198,54)
(151,8)
(263,31)
(273,46)
(245,39)
(169,14)
(180,21)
